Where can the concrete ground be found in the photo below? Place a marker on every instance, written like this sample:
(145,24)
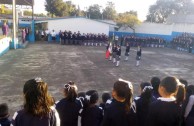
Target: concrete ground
(86,66)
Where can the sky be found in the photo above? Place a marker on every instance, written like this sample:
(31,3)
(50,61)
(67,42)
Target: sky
(141,6)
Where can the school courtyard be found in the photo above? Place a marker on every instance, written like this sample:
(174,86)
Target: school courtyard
(86,66)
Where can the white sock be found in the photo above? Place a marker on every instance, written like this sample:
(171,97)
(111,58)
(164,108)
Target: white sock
(118,63)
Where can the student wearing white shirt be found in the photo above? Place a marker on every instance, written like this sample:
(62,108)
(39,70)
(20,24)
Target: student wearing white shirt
(53,35)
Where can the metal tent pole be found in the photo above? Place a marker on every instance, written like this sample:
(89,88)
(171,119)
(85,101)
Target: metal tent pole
(14,22)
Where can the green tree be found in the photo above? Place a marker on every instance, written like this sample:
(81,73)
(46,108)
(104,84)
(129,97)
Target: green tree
(109,12)
(160,11)
(49,6)
(27,13)
(127,20)
(93,11)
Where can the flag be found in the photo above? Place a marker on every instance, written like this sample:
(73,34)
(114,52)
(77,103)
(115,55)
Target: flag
(109,50)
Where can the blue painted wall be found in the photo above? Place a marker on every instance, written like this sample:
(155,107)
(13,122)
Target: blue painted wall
(168,38)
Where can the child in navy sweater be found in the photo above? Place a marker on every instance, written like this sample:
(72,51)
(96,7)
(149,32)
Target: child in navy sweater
(91,115)
(38,107)
(4,114)
(121,111)
(143,102)
(166,111)
(69,107)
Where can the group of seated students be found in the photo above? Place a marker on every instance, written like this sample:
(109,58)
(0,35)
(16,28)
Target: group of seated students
(145,41)
(183,42)
(160,103)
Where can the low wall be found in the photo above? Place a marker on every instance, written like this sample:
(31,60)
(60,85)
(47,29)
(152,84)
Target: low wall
(4,45)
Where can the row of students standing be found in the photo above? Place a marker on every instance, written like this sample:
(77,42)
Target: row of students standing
(159,104)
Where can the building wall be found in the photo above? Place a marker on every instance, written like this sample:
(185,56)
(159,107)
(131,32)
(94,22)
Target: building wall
(78,24)
(4,45)
(166,31)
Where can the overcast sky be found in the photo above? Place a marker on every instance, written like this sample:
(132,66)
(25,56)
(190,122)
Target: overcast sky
(141,6)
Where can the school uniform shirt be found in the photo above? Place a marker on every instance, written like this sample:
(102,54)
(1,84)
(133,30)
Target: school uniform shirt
(115,115)
(118,52)
(127,50)
(91,116)
(164,112)
(53,34)
(68,111)
(5,122)
(142,110)
(22,118)
(139,52)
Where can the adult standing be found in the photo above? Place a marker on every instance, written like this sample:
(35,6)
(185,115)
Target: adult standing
(23,35)
(5,29)
(53,35)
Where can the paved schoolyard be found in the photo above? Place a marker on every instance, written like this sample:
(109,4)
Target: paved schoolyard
(86,66)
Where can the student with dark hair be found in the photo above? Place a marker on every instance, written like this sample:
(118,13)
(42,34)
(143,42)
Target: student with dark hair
(114,53)
(91,114)
(189,109)
(105,96)
(127,51)
(143,102)
(185,102)
(4,115)
(166,111)
(155,81)
(38,110)
(118,55)
(138,57)
(69,107)
(183,81)
(121,111)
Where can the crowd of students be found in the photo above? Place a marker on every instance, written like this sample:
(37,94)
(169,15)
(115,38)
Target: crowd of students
(145,41)
(183,42)
(166,102)
(73,38)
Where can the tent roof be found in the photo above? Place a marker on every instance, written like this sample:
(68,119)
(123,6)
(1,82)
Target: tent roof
(18,2)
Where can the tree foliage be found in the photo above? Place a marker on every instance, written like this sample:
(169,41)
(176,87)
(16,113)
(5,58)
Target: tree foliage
(93,11)
(109,12)
(127,20)
(160,11)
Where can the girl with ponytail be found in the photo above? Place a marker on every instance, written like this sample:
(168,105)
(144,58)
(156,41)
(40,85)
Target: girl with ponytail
(166,111)
(69,107)
(143,102)
(91,115)
(121,111)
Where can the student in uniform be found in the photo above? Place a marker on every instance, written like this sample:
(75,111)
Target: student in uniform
(121,111)
(138,57)
(155,81)
(114,53)
(53,35)
(105,97)
(69,107)
(143,102)
(118,55)
(127,51)
(38,107)
(91,115)
(189,109)
(4,115)
(166,111)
